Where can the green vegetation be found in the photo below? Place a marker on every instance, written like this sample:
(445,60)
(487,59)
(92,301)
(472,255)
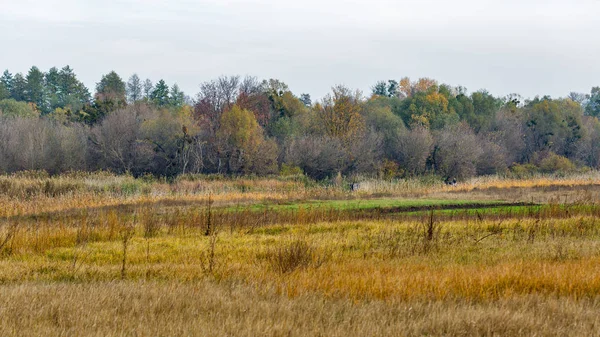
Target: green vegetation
(243,126)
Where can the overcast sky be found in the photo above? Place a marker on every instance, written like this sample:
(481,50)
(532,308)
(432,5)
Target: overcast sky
(529,46)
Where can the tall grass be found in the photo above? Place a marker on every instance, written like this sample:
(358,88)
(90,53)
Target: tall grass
(155,251)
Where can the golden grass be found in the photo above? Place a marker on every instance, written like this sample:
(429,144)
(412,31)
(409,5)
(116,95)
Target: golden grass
(206,308)
(310,272)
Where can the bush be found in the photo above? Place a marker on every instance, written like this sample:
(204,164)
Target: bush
(290,170)
(523,170)
(292,256)
(554,163)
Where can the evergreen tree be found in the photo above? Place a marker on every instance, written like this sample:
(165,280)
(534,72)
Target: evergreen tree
(18,88)
(72,93)
(111,88)
(177,98)
(305,98)
(4,92)
(592,107)
(160,94)
(35,91)
(6,80)
(53,86)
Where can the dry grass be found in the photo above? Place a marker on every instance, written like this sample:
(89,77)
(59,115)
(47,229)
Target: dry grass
(162,264)
(206,308)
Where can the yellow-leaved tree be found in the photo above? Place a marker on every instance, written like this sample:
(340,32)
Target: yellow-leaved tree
(242,146)
(341,114)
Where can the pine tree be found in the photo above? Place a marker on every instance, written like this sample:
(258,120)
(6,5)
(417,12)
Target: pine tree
(6,80)
(18,88)
(177,98)
(160,94)
(35,91)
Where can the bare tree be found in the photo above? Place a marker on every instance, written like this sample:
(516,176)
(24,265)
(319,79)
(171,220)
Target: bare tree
(413,148)
(318,157)
(117,141)
(457,151)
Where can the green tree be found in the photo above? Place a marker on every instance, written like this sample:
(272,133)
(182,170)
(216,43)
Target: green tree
(4,92)
(592,107)
(306,100)
(53,87)
(160,94)
(111,88)
(177,99)
(6,80)
(11,107)
(553,125)
(485,107)
(380,89)
(71,93)
(35,89)
(19,88)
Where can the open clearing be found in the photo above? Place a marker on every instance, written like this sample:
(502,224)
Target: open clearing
(281,258)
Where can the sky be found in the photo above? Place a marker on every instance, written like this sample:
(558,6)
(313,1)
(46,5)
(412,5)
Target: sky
(529,47)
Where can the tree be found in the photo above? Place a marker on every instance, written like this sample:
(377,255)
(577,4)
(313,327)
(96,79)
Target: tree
(70,92)
(4,92)
(552,125)
(485,106)
(134,89)
(305,99)
(172,135)
(160,94)
(111,88)
(35,91)
(10,107)
(386,89)
(379,117)
(592,107)
(240,140)
(54,95)
(19,88)
(214,98)
(319,157)
(341,114)
(116,141)
(177,98)
(6,81)
(380,89)
(457,152)
(413,147)
(428,105)
(147,89)
(578,97)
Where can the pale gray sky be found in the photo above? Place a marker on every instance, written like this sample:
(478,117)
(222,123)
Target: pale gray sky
(529,46)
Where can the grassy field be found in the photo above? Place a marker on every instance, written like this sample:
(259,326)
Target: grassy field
(102,255)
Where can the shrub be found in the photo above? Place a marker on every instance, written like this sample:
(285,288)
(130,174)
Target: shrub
(292,256)
(554,163)
(523,170)
(290,170)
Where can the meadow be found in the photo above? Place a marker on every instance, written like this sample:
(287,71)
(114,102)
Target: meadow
(95,254)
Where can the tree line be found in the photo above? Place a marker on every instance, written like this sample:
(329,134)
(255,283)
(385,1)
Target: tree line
(241,125)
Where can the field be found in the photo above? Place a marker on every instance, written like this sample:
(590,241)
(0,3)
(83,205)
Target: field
(103,255)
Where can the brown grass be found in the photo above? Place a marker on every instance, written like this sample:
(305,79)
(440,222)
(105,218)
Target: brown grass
(150,264)
(206,308)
